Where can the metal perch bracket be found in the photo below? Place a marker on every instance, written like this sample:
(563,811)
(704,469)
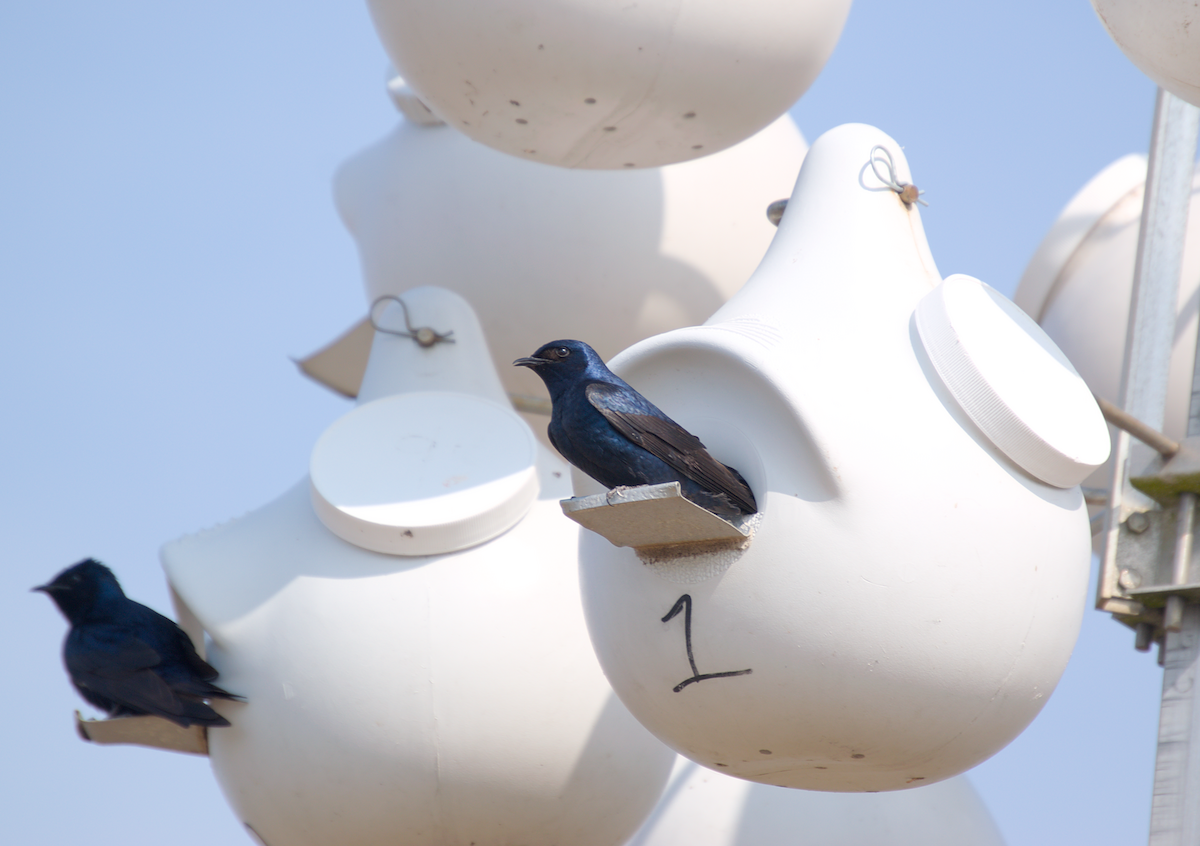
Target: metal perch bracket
(154,732)
(654,516)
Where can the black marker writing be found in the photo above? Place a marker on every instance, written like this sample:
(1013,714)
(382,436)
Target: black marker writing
(684,603)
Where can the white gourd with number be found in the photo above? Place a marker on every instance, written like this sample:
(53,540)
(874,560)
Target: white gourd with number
(916,581)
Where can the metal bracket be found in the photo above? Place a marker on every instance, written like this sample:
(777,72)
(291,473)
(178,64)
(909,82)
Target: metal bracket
(1155,554)
(1144,555)
(154,732)
(653,516)
(1177,472)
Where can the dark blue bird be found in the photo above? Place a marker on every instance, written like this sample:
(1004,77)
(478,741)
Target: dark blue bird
(127,659)
(618,437)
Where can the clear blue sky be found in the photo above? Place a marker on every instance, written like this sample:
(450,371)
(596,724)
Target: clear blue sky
(168,239)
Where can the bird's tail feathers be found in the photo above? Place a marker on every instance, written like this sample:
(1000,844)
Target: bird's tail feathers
(200,689)
(197,713)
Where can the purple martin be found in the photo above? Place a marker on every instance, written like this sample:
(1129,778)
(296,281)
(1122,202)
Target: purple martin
(618,437)
(127,659)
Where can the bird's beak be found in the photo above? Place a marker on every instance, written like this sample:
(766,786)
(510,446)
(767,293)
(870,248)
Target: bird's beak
(42,588)
(532,361)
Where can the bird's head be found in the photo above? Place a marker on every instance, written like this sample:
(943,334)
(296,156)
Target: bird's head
(76,589)
(559,362)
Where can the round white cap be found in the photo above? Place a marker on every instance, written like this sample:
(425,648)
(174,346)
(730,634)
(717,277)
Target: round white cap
(424,473)
(1012,381)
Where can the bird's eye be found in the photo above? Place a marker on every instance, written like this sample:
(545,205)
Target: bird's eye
(561,352)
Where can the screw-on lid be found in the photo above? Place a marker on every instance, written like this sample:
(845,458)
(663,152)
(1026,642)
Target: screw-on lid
(424,473)
(1012,381)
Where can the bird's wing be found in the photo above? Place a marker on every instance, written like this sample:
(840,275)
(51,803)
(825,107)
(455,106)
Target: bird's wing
(199,675)
(553,442)
(665,439)
(118,666)
(186,650)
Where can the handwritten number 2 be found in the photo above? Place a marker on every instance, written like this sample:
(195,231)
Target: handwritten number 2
(684,604)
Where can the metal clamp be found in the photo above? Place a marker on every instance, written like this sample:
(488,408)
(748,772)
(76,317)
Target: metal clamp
(1149,538)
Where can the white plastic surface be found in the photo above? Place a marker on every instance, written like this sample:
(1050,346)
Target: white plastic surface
(424,473)
(1161,37)
(1012,381)
(401,700)
(544,253)
(1078,287)
(701,807)
(594,84)
(898,628)
(1076,223)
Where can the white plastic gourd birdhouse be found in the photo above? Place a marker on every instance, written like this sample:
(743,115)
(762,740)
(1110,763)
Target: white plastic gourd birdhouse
(1077,287)
(544,252)
(405,625)
(1161,38)
(701,807)
(587,84)
(914,581)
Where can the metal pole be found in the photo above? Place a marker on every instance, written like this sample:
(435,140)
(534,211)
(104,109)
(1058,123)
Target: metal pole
(1152,308)
(1152,438)
(1175,812)
(1174,816)
(1159,258)
(1151,331)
